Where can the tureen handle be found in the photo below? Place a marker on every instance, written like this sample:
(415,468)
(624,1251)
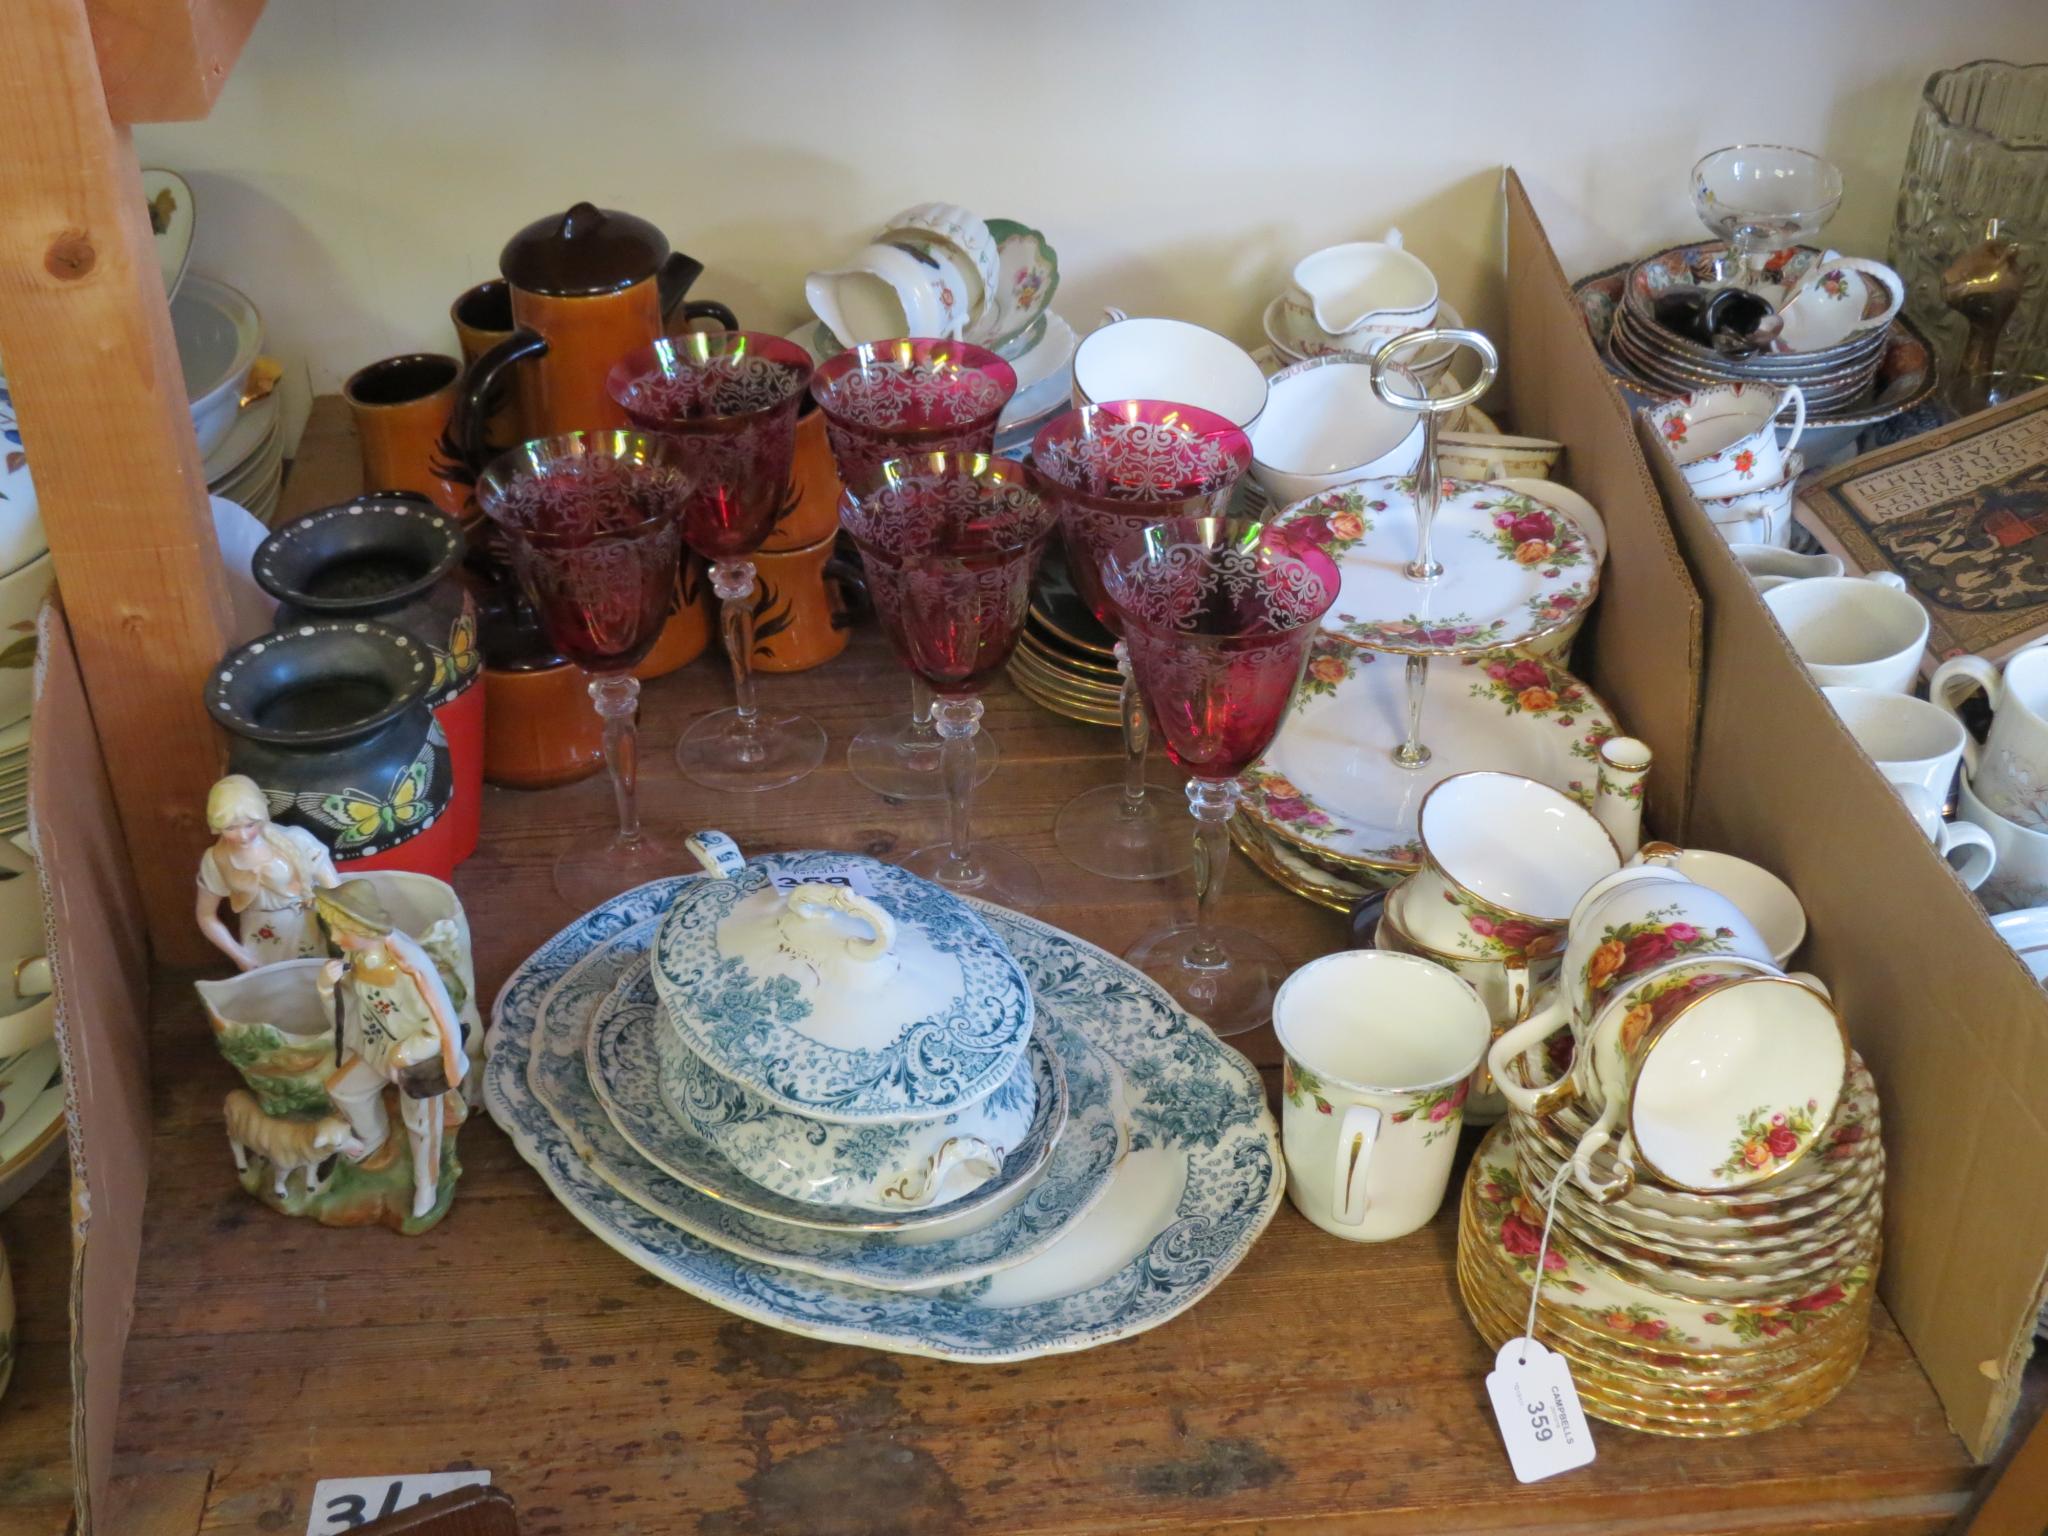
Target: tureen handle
(809,899)
(716,854)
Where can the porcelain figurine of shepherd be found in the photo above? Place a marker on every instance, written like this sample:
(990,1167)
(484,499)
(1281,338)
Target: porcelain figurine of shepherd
(398,1028)
(267,875)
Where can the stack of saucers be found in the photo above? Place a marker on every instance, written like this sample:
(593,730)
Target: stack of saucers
(1066,660)
(822,1093)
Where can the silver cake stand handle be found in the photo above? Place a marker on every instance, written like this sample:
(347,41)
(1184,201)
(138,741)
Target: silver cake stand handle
(1386,367)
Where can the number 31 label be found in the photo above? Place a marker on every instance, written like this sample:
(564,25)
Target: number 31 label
(1538,1408)
(344,1503)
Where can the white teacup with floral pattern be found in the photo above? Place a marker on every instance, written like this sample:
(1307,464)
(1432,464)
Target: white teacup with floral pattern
(1717,1081)
(1380,1052)
(1504,861)
(1725,439)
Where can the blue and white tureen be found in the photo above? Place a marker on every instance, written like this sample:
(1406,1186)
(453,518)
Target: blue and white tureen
(850,1034)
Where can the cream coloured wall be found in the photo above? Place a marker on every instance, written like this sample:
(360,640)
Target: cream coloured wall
(369,157)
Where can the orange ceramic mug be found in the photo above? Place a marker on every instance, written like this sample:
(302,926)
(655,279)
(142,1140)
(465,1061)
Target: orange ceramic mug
(811,508)
(483,317)
(688,630)
(402,407)
(805,600)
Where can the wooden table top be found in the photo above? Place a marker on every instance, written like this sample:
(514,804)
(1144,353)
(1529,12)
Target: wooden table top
(1324,1385)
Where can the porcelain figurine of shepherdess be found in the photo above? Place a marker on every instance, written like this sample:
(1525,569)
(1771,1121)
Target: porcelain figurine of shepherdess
(267,875)
(398,1027)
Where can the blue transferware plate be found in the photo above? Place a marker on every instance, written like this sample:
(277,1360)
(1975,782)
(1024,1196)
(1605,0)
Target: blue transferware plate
(1202,1179)
(1077,1176)
(808,1008)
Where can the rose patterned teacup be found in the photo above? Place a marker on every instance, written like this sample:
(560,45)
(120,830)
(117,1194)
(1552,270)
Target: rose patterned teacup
(1380,1051)
(1504,861)
(1725,439)
(1771,905)
(1716,1081)
(1638,920)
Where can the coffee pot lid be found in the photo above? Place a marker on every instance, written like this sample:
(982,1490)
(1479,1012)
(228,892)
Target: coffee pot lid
(588,250)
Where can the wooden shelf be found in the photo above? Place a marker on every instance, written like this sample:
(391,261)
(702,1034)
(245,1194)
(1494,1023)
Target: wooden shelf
(1324,1385)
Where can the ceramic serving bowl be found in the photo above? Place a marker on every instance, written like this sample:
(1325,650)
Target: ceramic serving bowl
(907,1165)
(1155,359)
(1325,426)
(219,334)
(842,989)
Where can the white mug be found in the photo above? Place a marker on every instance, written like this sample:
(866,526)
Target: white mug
(1380,1051)
(1971,851)
(2010,771)
(1910,740)
(1854,632)
(2021,879)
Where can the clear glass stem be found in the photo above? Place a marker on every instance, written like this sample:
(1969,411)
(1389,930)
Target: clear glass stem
(1137,739)
(923,737)
(1412,753)
(1213,801)
(617,698)
(957,720)
(733,581)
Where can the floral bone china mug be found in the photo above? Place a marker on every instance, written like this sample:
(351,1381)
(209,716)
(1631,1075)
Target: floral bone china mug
(1380,1051)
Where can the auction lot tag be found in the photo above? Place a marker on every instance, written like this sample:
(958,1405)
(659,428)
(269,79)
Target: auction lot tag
(343,1503)
(854,877)
(1538,1408)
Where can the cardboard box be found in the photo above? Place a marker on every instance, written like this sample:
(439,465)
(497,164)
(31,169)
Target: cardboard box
(1953,1026)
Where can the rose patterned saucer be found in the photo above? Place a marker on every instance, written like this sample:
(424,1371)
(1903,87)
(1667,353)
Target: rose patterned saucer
(1329,783)
(1515,570)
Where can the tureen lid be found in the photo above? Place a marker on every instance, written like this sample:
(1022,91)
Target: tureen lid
(842,988)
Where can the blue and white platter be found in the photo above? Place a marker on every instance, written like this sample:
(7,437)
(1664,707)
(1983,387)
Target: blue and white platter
(629,1054)
(1202,1178)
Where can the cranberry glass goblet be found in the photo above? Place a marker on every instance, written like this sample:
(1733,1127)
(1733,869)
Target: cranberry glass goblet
(882,400)
(729,400)
(1218,614)
(590,522)
(1111,469)
(950,542)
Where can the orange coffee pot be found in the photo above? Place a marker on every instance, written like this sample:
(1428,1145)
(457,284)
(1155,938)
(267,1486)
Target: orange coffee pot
(588,286)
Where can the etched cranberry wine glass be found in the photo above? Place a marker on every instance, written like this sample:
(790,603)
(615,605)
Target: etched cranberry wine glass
(591,528)
(1111,469)
(1218,614)
(882,400)
(729,400)
(951,542)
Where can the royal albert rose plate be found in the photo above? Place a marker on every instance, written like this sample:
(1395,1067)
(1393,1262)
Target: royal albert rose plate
(632,1060)
(1077,1176)
(1506,1220)
(1201,1181)
(1329,782)
(1515,569)
(813,1009)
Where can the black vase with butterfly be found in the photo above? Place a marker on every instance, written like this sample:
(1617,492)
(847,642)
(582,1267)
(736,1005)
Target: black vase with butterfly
(332,719)
(395,559)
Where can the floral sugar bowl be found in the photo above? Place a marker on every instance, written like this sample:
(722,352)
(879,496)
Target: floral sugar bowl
(820,996)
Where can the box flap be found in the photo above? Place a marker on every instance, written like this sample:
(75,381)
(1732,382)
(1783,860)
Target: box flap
(1641,650)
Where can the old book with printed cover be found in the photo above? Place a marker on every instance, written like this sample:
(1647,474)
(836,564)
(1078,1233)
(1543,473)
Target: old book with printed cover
(1962,515)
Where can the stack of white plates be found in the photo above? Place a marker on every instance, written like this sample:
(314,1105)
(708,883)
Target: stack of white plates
(248,466)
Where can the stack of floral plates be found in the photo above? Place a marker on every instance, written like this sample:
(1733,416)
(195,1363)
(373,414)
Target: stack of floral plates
(1683,1313)
(1065,660)
(1145,1164)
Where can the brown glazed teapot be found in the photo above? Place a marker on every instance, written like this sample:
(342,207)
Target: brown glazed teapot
(588,286)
